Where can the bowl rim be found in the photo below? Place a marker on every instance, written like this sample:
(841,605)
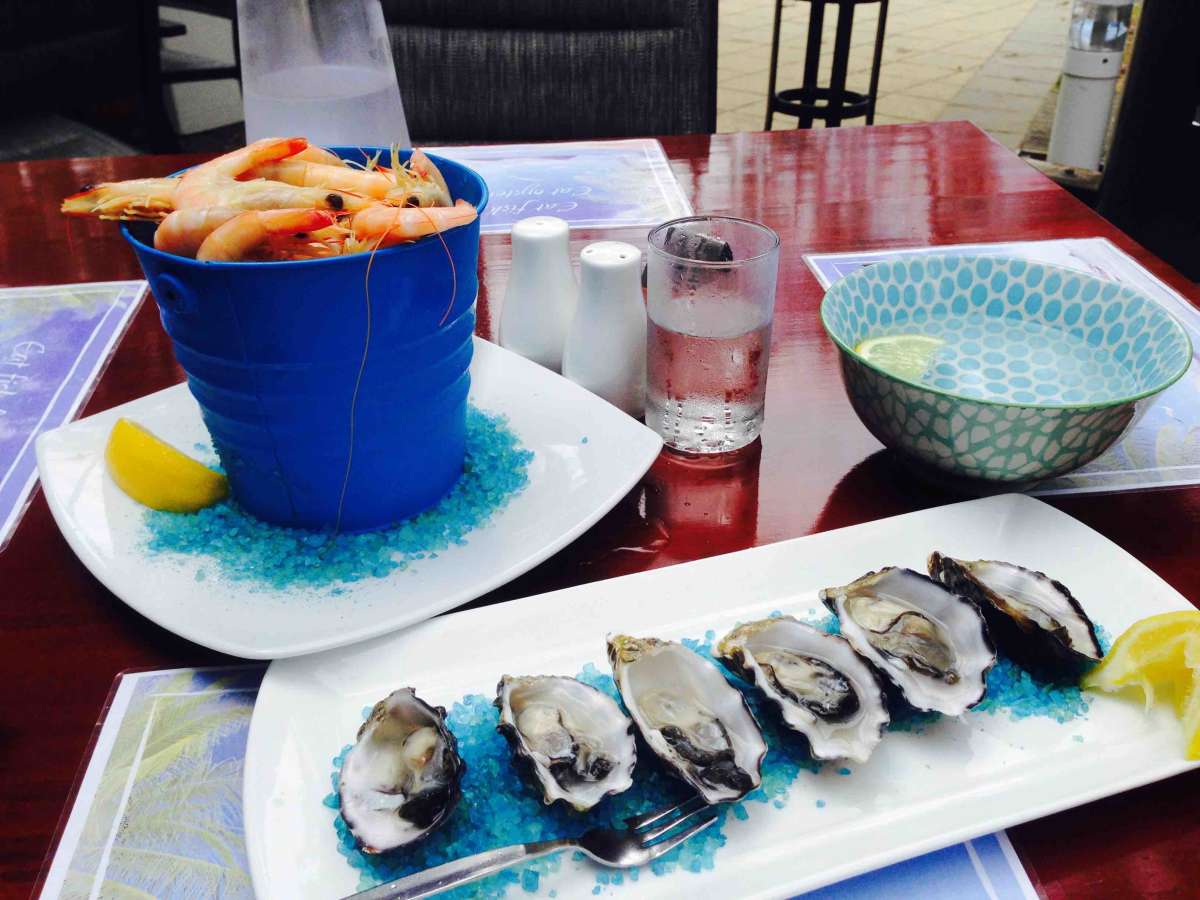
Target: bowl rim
(1004,404)
(142,247)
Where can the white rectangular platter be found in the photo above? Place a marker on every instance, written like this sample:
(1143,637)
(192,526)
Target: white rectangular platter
(957,780)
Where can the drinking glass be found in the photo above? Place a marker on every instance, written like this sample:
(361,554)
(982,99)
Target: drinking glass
(709,337)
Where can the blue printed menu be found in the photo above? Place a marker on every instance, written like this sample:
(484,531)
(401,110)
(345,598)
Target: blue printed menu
(54,342)
(590,184)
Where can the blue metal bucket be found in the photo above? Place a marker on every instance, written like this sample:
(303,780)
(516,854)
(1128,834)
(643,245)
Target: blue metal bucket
(272,352)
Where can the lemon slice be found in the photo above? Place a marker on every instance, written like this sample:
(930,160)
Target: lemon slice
(903,355)
(157,475)
(1157,656)
(1188,710)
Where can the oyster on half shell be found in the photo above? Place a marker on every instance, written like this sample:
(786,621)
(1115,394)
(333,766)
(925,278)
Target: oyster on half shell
(1033,618)
(401,778)
(931,643)
(823,688)
(577,741)
(689,715)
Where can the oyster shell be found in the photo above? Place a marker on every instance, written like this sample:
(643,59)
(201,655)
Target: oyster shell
(401,779)
(928,641)
(578,742)
(823,688)
(689,715)
(1033,618)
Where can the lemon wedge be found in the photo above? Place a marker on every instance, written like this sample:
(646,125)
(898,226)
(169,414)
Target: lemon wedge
(157,475)
(903,355)
(1158,656)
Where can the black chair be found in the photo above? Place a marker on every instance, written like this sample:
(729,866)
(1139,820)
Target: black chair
(544,69)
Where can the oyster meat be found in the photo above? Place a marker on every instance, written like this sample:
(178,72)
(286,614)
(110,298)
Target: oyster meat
(931,643)
(823,688)
(1033,618)
(689,715)
(577,741)
(401,779)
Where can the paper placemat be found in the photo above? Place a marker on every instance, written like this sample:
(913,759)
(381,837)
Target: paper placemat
(1162,449)
(590,184)
(54,343)
(158,811)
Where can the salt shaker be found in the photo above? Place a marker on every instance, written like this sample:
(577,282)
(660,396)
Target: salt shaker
(606,346)
(542,295)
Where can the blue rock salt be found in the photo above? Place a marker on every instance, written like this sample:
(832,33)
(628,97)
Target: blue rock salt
(1018,694)
(247,549)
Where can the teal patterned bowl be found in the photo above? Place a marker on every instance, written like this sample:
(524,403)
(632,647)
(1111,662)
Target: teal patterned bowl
(1040,371)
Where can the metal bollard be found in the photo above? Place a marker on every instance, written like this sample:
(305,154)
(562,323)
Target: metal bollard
(1095,45)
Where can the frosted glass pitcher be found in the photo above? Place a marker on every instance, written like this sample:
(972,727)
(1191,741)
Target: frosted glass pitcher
(320,69)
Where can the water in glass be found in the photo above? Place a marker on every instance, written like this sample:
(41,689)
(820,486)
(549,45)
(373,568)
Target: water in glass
(705,392)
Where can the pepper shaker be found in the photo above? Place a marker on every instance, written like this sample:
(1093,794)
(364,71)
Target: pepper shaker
(606,346)
(542,295)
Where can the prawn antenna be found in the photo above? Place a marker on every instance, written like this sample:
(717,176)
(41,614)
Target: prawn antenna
(362,367)
(453,268)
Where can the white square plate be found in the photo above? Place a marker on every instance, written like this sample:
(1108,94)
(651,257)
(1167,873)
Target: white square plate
(587,456)
(959,779)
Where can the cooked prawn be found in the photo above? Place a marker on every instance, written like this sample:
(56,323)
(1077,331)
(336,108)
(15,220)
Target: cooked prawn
(312,245)
(424,167)
(315,154)
(383,226)
(154,198)
(419,184)
(237,238)
(138,198)
(204,184)
(262,194)
(184,230)
(308,174)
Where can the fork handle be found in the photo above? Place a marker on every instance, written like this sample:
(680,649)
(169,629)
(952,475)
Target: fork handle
(460,871)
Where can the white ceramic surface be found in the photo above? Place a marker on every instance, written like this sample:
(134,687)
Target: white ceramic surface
(606,346)
(541,296)
(572,483)
(959,779)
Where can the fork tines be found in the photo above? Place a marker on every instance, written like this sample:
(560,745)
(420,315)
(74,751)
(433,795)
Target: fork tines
(685,808)
(665,824)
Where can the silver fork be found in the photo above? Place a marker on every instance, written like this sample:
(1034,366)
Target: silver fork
(647,837)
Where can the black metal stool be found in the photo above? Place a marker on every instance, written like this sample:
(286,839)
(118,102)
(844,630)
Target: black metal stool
(831,103)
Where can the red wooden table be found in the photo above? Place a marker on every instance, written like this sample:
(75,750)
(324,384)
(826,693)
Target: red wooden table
(63,637)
